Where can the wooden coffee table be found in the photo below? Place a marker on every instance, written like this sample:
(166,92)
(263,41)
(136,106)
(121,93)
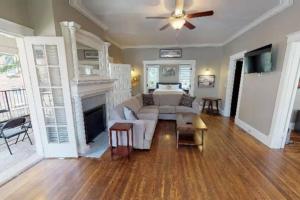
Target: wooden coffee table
(189,125)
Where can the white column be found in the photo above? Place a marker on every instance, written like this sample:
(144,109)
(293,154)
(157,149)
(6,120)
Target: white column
(82,146)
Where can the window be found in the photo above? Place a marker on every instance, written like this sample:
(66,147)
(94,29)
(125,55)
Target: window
(152,76)
(10,72)
(185,76)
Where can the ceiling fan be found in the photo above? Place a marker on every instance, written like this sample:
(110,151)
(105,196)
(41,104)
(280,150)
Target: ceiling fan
(178,18)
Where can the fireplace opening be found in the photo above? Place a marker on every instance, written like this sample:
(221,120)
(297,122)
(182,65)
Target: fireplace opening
(94,122)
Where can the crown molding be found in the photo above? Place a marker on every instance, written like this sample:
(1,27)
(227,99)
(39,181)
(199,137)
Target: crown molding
(171,46)
(284,4)
(110,40)
(77,4)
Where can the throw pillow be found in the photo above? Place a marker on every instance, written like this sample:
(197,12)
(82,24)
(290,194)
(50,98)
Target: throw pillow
(148,100)
(129,114)
(169,87)
(186,100)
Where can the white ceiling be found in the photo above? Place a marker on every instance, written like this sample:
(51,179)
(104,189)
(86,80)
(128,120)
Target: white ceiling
(127,25)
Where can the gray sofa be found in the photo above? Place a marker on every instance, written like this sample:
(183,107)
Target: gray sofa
(166,106)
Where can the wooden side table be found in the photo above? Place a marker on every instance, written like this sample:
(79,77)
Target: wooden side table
(210,101)
(121,128)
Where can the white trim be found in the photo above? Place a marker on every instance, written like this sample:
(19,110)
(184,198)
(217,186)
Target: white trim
(30,98)
(171,46)
(292,126)
(252,131)
(286,92)
(283,4)
(109,39)
(176,62)
(230,79)
(77,4)
(15,29)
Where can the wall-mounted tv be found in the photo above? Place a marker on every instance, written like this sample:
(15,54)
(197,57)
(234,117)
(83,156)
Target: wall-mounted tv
(259,60)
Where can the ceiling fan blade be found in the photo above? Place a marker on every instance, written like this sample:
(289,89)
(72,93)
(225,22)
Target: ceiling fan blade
(157,17)
(200,14)
(164,27)
(179,7)
(189,25)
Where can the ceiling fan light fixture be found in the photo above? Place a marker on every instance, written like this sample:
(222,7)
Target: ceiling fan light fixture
(177,23)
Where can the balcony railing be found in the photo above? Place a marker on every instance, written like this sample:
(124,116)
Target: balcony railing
(13,103)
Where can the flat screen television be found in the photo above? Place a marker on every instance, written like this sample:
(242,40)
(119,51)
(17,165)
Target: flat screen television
(259,60)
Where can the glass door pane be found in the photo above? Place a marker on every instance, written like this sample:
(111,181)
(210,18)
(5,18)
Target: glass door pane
(51,92)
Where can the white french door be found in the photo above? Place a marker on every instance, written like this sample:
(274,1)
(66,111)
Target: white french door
(48,73)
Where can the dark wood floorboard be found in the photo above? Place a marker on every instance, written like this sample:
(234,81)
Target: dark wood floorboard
(232,165)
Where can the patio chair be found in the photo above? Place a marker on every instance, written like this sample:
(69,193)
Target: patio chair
(12,128)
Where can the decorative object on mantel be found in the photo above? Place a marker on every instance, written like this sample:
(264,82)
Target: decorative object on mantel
(206,81)
(170,53)
(168,70)
(91,54)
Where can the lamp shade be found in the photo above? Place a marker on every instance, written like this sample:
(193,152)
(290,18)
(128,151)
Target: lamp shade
(177,23)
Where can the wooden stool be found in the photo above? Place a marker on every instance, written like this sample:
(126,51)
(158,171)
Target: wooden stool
(121,150)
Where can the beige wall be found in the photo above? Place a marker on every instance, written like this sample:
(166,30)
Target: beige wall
(42,17)
(259,92)
(64,12)
(16,11)
(207,57)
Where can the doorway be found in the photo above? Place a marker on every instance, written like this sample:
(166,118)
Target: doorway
(17,148)
(236,87)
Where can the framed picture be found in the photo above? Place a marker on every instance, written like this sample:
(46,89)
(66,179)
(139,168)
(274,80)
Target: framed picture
(206,81)
(168,71)
(170,53)
(91,54)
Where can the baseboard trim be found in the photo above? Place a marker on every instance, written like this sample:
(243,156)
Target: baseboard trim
(292,126)
(253,132)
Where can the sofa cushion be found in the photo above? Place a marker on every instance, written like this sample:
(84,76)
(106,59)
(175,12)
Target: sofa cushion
(156,99)
(167,109)
(129,114)
(148,116)
(184,109)
(148,100)
(150,129)
(186,100)
(133,104)
(169,99)
(149,109)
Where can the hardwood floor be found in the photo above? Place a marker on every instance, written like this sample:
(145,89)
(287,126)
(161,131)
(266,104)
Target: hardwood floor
(232,165)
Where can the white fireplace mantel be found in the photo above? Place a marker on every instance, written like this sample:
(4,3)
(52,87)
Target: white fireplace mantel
(85,89)
(85,86)
(80,91)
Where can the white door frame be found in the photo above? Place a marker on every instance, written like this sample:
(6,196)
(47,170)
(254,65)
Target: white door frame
(230,81)
(19,31)
(286,92)
(175,62)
